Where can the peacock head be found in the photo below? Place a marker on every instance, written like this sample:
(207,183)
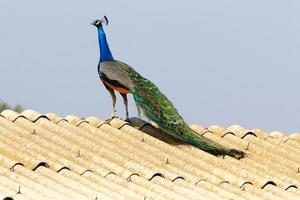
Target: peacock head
(98,22)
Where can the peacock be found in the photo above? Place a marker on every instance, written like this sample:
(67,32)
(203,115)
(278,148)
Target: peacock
(112,73)
(119,76)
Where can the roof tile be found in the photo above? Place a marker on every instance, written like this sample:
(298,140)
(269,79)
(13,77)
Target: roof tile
(51,157)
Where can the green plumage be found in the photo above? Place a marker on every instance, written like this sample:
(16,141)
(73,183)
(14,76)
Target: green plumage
(157,107)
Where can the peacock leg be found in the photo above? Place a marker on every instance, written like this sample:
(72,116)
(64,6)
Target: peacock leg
(126,105)
(114,99)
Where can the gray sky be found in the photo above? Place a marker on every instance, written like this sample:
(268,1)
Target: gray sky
(219,62)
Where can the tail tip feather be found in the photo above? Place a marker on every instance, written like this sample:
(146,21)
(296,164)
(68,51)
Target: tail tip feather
(237,154)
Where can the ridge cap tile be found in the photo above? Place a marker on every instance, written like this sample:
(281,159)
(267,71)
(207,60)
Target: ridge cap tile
(10,114)
(295,136)
(53,117)
(31,114)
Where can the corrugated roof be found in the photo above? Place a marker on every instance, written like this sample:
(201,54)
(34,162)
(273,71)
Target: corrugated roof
(50,157)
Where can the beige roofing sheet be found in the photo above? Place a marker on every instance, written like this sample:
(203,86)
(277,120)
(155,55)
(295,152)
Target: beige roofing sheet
(51,157)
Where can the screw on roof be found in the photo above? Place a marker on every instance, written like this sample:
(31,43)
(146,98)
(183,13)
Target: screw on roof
(19,190)
(167,162)
(143,140)
(298,171)
(247,148)
(78,153)
(34,132)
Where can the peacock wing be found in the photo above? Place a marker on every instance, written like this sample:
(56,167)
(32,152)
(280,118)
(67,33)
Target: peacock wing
(116,72)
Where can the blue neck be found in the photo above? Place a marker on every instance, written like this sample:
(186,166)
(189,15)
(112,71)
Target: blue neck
(105,54)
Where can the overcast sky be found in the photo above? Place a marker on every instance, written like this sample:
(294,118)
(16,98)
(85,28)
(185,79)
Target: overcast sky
(219,62)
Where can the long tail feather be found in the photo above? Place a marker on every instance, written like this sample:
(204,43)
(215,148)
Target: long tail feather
(159,109)
(208,145)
